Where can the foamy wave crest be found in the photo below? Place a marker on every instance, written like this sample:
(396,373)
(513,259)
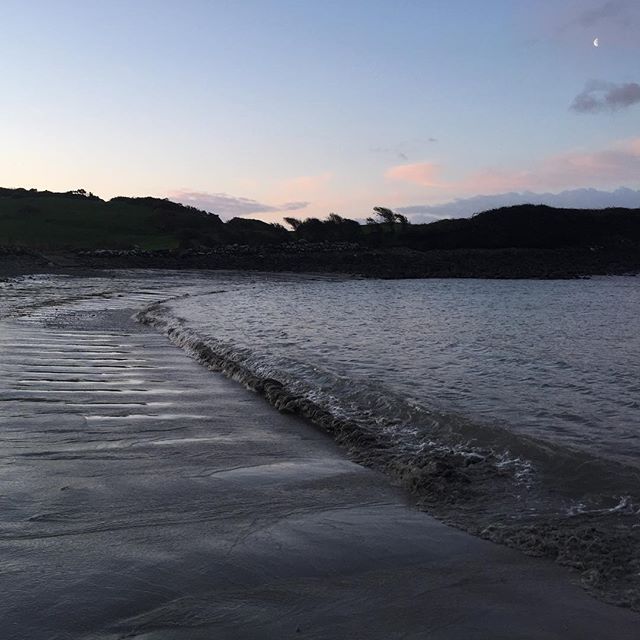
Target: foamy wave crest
(436,469)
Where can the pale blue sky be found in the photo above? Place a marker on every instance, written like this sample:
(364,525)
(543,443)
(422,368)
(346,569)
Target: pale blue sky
(341,105)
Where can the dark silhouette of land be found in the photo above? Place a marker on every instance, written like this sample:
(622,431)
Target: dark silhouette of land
(77,228)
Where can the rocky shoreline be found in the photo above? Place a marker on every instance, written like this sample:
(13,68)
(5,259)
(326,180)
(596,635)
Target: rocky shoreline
(346,258)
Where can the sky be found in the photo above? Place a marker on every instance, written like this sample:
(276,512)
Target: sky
(272,108)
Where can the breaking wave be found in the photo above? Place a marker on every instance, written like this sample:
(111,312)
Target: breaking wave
(544,499)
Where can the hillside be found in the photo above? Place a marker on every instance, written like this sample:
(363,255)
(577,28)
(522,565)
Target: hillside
(531,226)
(520,241)
(80,220)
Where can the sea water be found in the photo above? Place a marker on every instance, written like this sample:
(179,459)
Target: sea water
(509,408)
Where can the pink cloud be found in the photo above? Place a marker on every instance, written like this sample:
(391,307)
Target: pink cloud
(609,167)
(424,174)
(634,146)
(306,183)
(606,167)
(310,189)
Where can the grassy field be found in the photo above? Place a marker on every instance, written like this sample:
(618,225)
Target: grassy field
(78,221)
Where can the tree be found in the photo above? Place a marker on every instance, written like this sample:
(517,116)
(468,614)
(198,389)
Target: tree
(294,223)
(311,229)
(388,217)
(339,228)
(403,220)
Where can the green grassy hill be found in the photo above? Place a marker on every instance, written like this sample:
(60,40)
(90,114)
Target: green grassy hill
(72,220)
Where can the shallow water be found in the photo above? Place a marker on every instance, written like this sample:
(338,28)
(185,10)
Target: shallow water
(558,361)
(510,408)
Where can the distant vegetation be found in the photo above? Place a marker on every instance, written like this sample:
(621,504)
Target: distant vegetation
(80,220)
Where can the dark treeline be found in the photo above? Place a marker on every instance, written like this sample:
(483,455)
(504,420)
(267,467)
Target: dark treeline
(80,220)
(521,226)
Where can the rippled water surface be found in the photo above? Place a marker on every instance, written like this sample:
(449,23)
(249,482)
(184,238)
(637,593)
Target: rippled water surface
(555,360)
(509,408)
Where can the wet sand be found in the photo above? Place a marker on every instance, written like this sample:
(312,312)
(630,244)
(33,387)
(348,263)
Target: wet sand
(145,497)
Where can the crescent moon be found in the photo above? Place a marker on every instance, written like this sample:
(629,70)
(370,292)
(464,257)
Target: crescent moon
(596,42)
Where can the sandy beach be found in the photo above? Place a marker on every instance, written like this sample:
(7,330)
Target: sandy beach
(146,497)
